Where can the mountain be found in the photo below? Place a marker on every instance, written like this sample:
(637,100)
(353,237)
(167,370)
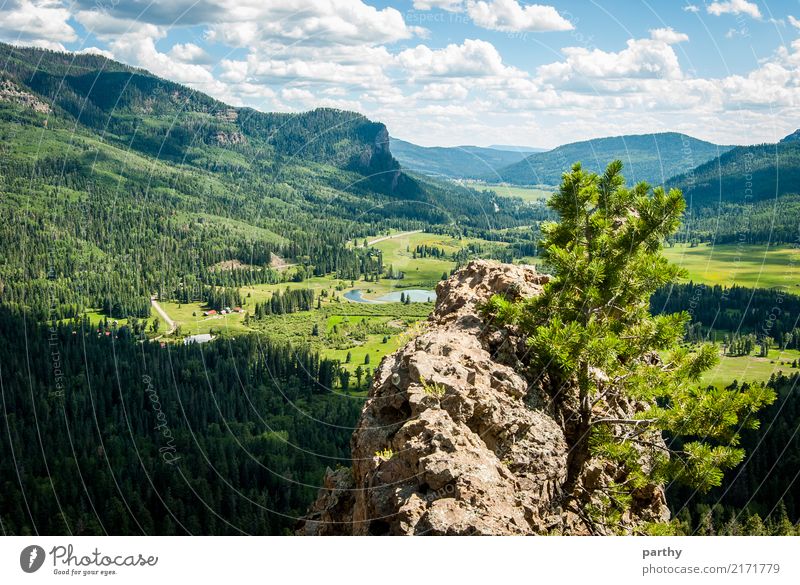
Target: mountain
(105,164)
(744,174)
(750,194)
(513,148)
(456,162)
(647,157)
(793,137)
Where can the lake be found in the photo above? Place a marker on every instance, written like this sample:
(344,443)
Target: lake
(417,296)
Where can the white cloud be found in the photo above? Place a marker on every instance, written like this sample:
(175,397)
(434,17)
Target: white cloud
(189,53)
(138,50)
(585,69)
(45,44)
(794,21)
(451,92)
(108,27)
(41,22)
(449,5)
(96,51)
(734,7)
(310,22)
(297,95)
(473,58)
(668,35)
(510,16)
(691,8)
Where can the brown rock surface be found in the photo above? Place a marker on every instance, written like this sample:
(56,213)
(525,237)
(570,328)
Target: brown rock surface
(454,440)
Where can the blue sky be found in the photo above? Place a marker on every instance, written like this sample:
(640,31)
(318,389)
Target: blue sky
(448,72)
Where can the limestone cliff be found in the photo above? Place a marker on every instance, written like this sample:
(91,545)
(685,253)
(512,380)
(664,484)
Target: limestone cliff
(457,437)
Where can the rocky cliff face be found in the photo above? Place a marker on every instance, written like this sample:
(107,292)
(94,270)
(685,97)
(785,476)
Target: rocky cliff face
(456,439)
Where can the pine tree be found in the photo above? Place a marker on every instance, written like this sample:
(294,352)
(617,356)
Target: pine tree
(591,333)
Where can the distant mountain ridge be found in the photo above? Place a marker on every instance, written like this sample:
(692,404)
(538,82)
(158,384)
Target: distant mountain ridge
(513,148)
(647,157)
(453,162)
(793,137)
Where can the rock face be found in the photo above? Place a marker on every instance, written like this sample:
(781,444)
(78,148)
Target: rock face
(11,92)
(454,440)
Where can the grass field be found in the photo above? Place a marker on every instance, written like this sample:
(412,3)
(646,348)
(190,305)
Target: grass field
(751,368)
(530,194)
(190,320)
(95,317)
(752,266)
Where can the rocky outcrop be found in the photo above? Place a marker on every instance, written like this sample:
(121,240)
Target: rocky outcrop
(11,92)
(229,138)
(455,440)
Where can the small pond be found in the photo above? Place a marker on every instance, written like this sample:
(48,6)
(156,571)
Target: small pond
(416,295)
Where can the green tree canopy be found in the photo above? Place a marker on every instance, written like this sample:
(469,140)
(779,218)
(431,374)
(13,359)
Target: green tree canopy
(601,352)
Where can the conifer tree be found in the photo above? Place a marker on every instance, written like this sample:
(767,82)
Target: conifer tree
(593,339)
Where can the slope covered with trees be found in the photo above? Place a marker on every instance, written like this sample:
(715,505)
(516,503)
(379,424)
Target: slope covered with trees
(106,165)
(746,195)
(101,434)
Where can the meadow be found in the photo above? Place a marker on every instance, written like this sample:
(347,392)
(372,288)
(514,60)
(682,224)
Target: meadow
(751,368)
(529,194)
(753,266)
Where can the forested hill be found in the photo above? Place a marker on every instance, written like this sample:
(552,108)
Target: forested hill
(457,162)
(744,174)
(750,194)
(647,157)
(107,165)
(112,98)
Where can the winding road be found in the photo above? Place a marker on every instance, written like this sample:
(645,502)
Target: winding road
(163,315)
(391,237)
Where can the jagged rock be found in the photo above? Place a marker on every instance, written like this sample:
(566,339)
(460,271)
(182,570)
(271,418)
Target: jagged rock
(11,92)
(454,440)
(226,138)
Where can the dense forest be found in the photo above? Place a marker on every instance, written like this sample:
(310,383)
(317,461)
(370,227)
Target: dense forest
(761,495)
(717,312)
(102,434)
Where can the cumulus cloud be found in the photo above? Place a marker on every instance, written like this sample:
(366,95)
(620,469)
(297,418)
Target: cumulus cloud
(734,7)
(668,35)
(96,51)
(106,26)
(40,22)
(189,53)
(449,5)
(510,16)
(472,58)
(310,22)
(691,8)
(642,58)
(451,92)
